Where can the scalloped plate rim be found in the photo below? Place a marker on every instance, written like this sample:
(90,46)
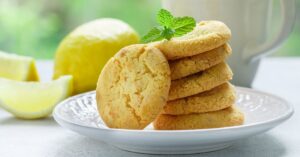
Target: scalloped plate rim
(278,119)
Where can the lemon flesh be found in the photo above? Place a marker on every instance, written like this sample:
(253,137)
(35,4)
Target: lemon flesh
(84,52)
(20,68)
(31,100)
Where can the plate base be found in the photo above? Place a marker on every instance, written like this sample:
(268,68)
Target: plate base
(262,112)
(175,150)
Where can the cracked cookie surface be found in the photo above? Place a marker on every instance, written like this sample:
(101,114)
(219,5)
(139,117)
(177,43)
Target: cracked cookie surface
(230,116)
(216,99)
(200,82)
(191,65)
(207,35)
(133,87)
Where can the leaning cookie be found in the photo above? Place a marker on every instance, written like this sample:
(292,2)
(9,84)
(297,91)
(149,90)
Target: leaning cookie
(191,65)
(216,99)
(200,82)
(231,116)
(207,35)
(133,87)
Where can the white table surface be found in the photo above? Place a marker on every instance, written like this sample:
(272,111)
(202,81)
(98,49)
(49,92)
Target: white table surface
(45,138)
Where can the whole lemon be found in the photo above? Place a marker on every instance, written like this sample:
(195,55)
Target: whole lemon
(84,52)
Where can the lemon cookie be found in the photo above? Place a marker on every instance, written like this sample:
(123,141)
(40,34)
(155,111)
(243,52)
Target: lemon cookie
(191,65)
(231,116)
(200,82)
(133,87)
(216,99)
(207,35)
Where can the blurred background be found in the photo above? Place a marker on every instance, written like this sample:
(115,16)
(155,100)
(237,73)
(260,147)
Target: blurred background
(35,27)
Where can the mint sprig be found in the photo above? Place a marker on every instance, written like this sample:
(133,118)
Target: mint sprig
(170,26)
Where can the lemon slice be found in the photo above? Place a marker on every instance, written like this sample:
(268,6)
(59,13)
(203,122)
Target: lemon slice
(20,68)
(31,100)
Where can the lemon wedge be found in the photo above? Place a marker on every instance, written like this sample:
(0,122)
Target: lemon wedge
(31,100)
(84,52)
(20,68)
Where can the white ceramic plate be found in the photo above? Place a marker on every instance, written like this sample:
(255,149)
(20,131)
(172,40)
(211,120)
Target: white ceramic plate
(262,112)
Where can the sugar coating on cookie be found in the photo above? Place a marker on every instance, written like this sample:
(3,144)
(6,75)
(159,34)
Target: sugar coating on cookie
(200,82)
(230,116)
(191,65)
(207,35)
(133,87)
(218,98)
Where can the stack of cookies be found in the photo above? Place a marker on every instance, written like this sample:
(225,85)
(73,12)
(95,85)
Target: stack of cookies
(180,83)
(200,95)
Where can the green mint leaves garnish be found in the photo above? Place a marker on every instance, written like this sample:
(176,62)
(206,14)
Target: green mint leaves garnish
(170,26)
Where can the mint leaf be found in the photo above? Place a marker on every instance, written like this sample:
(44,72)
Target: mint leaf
(164,18)
(153,35)
(183,25)
(169,27)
